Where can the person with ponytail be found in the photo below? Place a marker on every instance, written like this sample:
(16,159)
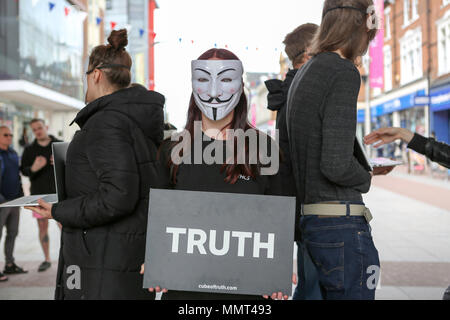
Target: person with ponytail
(218,105)
(109,172)
(321,120)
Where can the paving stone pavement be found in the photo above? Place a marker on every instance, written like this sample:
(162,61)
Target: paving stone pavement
(411,230)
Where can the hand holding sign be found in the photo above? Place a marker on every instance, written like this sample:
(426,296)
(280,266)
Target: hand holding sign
(158,289)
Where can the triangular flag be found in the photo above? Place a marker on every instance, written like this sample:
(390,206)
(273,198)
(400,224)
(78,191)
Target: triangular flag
(51,5)
(180,40)
(141,32)
(192,41)
(66,11)
(99,20)
(113,25)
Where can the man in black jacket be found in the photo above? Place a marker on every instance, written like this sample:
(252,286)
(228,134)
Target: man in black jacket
(297,43)
(110,168)
(436,151)
(37,164)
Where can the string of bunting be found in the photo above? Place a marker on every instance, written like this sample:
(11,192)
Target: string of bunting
(68,10)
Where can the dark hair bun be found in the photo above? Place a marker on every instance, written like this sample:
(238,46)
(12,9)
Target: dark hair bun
(118,39)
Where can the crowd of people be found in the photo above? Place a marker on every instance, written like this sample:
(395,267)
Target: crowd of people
(104,216)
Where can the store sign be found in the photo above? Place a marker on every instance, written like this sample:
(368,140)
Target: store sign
(421,100)
(398,104)
(440,99)
(219,242)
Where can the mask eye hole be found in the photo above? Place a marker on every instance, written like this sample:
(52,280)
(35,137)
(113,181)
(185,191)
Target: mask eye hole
(227,80)
(203,80)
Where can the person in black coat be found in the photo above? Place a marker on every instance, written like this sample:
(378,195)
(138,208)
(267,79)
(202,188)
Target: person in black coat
(37,164)
(110,168)
(435,151)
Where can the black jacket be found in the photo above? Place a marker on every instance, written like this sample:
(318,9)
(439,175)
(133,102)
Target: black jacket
(42,181)
(435,151)
(277,99)
(109,171)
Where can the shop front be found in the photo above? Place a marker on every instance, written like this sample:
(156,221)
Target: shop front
(440,112)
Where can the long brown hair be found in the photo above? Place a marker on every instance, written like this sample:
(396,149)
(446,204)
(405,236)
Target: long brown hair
(344,28)
(239,121)
(114,54)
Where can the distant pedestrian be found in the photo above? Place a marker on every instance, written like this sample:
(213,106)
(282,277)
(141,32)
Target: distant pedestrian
(10,189)
(37,164)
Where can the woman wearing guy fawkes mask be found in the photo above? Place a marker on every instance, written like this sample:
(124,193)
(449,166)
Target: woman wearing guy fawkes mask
(217,102)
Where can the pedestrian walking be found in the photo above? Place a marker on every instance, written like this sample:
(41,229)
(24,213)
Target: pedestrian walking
(110,168)
(11,188)
(37,164)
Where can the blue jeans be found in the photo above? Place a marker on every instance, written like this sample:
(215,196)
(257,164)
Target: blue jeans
(344,254)
(308,287)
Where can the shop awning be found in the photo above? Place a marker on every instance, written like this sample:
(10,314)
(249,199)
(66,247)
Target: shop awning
(38,97)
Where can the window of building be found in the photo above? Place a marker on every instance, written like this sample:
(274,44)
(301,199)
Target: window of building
(109,5)
(387,23)
(443,27)
(411,56)
(415,9)
(410,11)
(406,10)
(387,68)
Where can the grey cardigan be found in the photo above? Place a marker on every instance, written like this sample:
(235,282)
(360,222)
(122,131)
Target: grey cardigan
(322,118)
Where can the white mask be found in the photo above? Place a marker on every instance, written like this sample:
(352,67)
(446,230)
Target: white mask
(217,86)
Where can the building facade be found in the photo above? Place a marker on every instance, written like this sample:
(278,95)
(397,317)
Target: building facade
(416,59)
(137,17)
(41,64)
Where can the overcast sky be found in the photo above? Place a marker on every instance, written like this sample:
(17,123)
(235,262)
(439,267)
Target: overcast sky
(243,25)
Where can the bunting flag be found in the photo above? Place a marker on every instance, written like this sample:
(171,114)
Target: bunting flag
(113,25)
(51,5)
(66,11)
(99,20)
(141,32)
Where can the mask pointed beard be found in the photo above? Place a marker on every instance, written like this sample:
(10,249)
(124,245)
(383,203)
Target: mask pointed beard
(217,86)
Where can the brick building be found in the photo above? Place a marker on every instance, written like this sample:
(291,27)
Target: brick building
(416,63)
